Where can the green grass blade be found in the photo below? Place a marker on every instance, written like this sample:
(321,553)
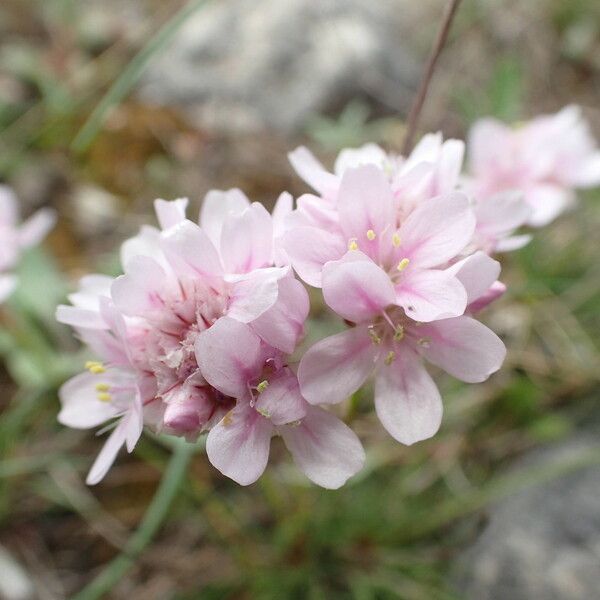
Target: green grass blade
(131,75)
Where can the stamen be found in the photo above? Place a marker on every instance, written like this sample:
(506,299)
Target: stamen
(424,342)
(228,419)
(352,244)
(389,359)
(95,367)
(371,235)
(403,264)
(102,387)
(104,397)
(399,333)
(373,335)
(262,386)
(264,413)
(396,241)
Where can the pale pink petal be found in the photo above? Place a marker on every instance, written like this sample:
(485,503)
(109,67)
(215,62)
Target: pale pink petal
(9,207)
(309,249)
(324,448)
(81,408)
(107,455)
(365,203)
(282,325)
(36,228)
(477,273)
(588,172)
(334,368)
(217,207)
(281,211)
(428,295)
(140,290)
(189,251)
(229,356)
(247,240)
(134,422)
(514,242)
(357,290)
(251,295)
(104,345)
(427,150)
(8,283)
(146,243)
(463,347)
(502,213)
(80,317)
(170,212)
(495,291)
(239,444)
(450,165)
(488,139)
(350,158)
(312,171)
(91,288)
(314,211)
(437,230)
(547,202)
(282,401)
(407,400)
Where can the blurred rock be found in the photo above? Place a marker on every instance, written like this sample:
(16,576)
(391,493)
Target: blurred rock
(245,65)
(542,543)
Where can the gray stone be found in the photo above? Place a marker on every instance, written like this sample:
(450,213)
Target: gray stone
(542,543)
(244,65)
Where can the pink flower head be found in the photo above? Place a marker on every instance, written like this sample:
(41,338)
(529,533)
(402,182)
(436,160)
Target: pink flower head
(390,344)
(546,159)
(194,338)
(16,237)
(409,258)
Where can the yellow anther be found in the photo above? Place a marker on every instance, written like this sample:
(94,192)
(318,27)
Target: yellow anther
(371,235)
(262,386)
(95,367)
(352,244)
(403,264)
(424,342)
(102,387)
(389,359)
(228,419)
(264,413)
(374,337)
(104,397)
(396,241)
(399,333)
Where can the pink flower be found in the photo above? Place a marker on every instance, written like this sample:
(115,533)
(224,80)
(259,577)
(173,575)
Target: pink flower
(193,338)
(409,258)
(546,159)
(112,389)
(498,218)
(432,168)
(386,342)
(236,362)
(16,237)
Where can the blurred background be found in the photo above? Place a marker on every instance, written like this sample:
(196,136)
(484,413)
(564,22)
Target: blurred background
(501,504)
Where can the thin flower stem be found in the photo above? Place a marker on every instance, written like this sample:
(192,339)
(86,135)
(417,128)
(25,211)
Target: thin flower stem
(415,111)
(151,522)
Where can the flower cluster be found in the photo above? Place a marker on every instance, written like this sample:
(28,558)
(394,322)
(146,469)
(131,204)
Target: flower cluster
(199,333)
(16,237)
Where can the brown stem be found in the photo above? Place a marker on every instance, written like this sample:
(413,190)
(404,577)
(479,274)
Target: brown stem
(417,106)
